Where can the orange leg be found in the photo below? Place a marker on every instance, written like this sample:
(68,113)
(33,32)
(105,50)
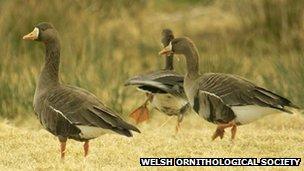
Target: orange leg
(219,132)
(141,113)
(177,127)
(180,118)
(86,148)
(233,131)
(62,147)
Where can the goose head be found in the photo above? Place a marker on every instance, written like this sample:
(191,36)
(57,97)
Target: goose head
(43,32)
(177,46)
(167,36)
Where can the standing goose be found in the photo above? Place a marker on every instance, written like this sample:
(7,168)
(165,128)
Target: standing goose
(164,89)
(224,99)
(66,111)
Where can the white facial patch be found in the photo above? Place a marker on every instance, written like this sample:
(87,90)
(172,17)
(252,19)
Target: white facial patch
(170,46)
(167,50)
(36,33)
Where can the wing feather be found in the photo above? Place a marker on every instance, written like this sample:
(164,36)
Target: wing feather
(80,107)
(163,81)
(237,91)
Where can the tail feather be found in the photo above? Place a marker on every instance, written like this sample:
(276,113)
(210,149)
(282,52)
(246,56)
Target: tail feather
(286,110)
(122,131)
(131,127)
(293,106)
(284,102)
(148,83)
(115,120)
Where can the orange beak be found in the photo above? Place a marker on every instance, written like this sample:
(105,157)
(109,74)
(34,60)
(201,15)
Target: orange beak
(166,50)
(32,35)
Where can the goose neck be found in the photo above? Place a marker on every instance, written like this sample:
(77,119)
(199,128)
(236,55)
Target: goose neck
(50,73)
(169,63)
(192,63)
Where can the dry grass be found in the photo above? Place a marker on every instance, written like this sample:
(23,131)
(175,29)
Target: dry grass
(279,135)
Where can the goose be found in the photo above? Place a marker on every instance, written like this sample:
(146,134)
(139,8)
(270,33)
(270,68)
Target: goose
(224,99)
(65,111)
(164,89)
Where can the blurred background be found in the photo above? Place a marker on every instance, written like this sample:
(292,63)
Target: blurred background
(105,42)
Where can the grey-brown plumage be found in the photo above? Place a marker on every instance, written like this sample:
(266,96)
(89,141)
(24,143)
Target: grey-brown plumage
(164,87)
(235,91)
(224,99)
(66,111)
(78,107)
(159,82)
(167,36)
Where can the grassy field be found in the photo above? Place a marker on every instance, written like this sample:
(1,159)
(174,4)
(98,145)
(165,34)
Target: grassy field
(274,136)
(261,40)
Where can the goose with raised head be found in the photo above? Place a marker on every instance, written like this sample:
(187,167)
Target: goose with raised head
(164,89)
(224,99)
(65,111)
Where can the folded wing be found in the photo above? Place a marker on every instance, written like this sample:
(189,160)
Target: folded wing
(82,109)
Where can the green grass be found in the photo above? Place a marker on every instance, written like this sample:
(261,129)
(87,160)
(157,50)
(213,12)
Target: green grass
(260,40)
